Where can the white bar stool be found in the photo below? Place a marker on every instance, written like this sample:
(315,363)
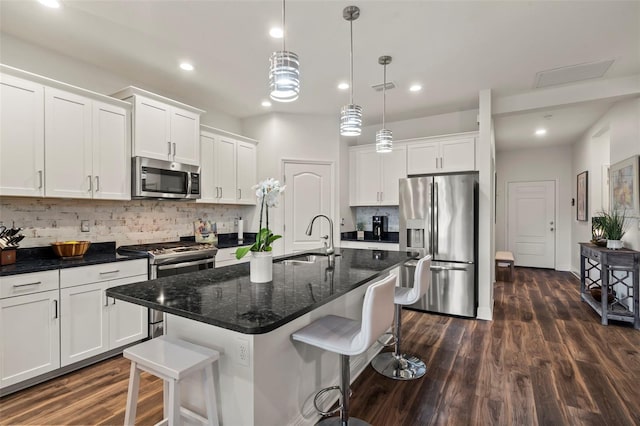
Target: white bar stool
(397,365)
(350,337)
(172,360)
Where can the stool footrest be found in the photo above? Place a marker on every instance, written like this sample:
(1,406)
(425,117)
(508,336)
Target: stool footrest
(391,343)
(322,392)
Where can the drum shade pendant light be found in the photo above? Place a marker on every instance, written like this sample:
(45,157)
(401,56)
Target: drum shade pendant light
(351,114)
(284,72)
(384,137)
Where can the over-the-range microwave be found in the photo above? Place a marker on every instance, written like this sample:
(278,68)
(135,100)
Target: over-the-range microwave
(160,179)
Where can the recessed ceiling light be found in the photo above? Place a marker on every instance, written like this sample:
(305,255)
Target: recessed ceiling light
(343,86)
(276,32)
(266,104)
(54,4)
(186,66)
(541,132)
(415,88)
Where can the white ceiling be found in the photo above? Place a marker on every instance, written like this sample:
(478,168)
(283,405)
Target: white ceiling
(452,48)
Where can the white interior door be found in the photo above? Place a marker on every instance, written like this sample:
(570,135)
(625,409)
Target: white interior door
(531,223)
(310,189)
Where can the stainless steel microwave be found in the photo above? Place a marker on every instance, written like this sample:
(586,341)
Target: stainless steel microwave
(164,179)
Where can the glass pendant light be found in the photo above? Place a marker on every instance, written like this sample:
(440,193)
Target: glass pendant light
(351,114)
(384,137)
(284,72)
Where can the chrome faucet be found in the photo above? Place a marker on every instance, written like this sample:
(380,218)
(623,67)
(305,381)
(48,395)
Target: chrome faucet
(330,250)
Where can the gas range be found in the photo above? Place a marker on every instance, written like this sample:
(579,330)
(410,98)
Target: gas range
(170,252)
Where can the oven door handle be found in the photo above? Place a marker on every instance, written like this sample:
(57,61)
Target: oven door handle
(185,264)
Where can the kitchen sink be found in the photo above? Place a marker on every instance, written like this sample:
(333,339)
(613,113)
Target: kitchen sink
(305,259)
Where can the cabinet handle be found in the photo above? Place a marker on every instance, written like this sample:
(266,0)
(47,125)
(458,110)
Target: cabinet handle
(220,192)
(110,272)
(381,196)
(174,150)
(97,183)
(239,193)
(169,148)
(27,284)
(90,184)
(436,162)
(441,162)
(55,309)
(40,179)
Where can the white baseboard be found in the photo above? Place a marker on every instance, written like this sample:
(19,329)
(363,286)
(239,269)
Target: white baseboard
(563,268)
(485,313)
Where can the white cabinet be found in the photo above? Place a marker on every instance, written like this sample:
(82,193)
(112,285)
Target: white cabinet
(374,177)
(228,169)
(92,323)
(441,155)
(21,137)
(163,128)
(227,256)
(87,152)
(29,326)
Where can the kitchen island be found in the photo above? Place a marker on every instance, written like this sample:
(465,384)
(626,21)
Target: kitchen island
(263,377)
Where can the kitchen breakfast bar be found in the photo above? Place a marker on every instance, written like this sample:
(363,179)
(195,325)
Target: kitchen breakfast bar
(263,377)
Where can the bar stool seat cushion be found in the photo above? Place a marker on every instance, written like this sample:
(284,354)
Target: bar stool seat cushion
(332,333)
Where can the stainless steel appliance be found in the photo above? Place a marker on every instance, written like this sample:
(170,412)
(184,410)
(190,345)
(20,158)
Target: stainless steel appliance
(164,179)
(380,226)
(438,216)
(171,258)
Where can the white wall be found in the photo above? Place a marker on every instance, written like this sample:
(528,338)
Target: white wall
(536,164)
(434,125)
(19,54)
(294,137)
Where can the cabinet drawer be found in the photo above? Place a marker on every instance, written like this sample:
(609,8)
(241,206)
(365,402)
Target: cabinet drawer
(17,285)
(227,256)
(103,272)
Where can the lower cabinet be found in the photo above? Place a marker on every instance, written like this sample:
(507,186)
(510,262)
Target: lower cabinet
(227,256)
(30,336)
(93,323)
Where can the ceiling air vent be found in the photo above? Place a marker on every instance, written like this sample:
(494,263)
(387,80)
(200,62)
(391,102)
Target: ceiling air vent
(378,87)
(572,74)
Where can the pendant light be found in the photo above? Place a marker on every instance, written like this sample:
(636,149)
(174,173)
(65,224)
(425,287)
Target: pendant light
(284,72)
(384,137)
(351,114)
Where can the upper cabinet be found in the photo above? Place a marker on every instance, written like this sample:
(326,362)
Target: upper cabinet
(455,153)
(163,128)
(62,141)
(228,168)
(374,177)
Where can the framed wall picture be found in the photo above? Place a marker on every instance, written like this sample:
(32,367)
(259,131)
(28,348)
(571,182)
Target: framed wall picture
(581,194)
(623,186)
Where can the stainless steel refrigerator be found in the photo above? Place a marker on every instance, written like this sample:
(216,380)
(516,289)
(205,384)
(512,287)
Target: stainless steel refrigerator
(438,216)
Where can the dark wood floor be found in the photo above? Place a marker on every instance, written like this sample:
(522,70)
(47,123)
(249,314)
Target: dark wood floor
(544,360)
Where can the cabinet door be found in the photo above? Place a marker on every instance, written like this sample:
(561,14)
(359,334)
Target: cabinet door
(458,155)
(208,190)
(84,324)
(111,153)
(394,167)
(246,172)
(151,129)
(68,149)
(367,177)
(185,132)
(225,169)
(29,336)
(127,322)
(21,137)
(423,157)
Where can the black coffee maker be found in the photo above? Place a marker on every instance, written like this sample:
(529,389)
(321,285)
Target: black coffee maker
(380,224)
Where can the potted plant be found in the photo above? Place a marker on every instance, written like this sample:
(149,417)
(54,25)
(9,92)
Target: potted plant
(261,263)
(360,231)
(614,224)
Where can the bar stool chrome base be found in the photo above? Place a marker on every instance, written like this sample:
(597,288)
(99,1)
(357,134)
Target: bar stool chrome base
(404,367)
(335,420)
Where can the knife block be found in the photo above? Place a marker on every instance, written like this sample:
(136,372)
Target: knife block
(8,257)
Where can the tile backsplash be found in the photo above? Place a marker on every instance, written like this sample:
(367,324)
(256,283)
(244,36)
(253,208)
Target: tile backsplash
(126,222)
(364,214)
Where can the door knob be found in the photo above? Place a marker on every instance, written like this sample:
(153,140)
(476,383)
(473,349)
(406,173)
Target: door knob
(552,229)
(551,223)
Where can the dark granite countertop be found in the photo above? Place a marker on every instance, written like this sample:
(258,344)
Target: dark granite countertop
(390,237)
(226,298)
(37,259)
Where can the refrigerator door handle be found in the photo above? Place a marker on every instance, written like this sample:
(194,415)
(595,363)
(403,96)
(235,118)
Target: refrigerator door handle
(436,221)
(447,268)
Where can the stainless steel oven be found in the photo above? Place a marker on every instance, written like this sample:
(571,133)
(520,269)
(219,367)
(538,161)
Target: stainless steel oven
(169,259)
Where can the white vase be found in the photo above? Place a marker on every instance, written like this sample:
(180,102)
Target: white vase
(261,267)
(614,244)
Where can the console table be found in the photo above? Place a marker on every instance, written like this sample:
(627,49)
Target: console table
(615,267)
